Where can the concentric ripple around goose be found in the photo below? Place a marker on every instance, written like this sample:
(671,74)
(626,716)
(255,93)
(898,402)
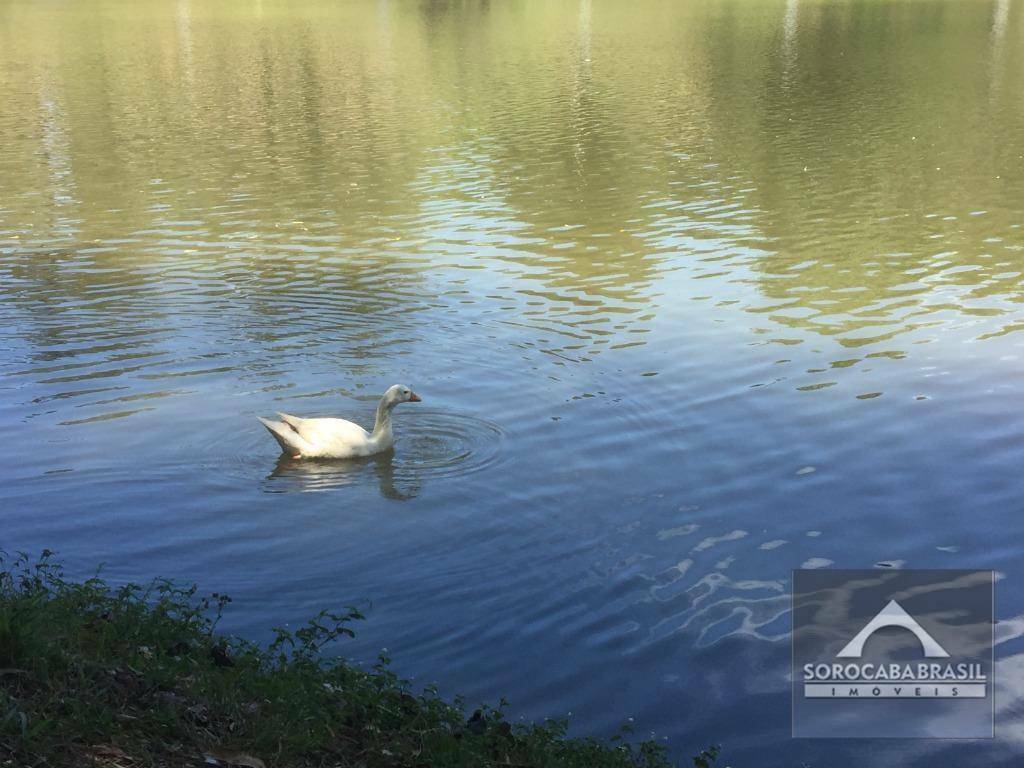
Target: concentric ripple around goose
(432,444)
(429,445)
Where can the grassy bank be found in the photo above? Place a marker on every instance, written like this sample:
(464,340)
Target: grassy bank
(129,677)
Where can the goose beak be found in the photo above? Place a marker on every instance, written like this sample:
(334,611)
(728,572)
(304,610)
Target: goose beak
(414,398)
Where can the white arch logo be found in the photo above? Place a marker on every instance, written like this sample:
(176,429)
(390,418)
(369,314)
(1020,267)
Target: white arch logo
(892,615)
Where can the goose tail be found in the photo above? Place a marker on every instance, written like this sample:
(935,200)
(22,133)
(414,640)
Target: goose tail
(286,437)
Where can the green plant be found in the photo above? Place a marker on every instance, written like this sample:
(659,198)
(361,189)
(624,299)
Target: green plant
(138,676)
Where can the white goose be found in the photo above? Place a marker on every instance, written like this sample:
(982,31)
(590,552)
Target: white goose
(338,438)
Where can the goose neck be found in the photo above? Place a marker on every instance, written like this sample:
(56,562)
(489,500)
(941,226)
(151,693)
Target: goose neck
(382,424)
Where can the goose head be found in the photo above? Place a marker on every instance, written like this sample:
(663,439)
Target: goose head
(399,393)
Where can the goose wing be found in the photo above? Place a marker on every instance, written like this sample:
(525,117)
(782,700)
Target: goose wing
(326,432)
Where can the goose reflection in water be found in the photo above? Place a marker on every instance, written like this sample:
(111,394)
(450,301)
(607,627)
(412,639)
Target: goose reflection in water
(300,476)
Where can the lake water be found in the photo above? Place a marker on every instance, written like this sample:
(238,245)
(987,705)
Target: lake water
(695,293)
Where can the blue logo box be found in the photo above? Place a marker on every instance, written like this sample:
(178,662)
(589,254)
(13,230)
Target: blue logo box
(893,654)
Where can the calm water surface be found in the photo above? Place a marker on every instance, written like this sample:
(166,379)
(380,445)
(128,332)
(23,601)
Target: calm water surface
(695,293)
